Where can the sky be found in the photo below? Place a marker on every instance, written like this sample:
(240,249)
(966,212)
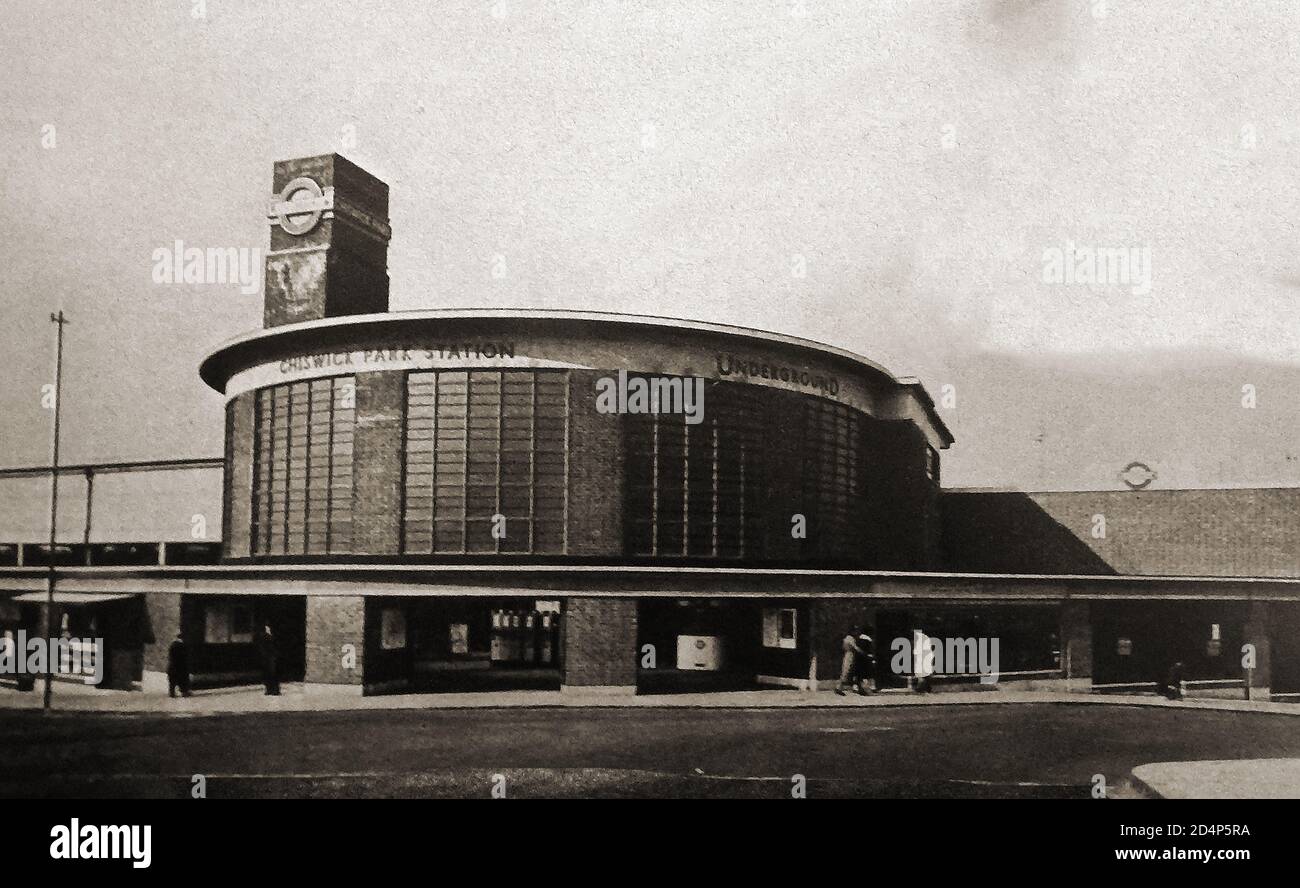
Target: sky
(893,177)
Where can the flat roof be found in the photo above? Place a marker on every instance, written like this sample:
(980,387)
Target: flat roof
(487,581)
(621,569)
(219,364)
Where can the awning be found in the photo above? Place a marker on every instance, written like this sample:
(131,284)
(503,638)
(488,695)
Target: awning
(73,597)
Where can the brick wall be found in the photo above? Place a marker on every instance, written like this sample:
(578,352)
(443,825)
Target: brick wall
(377,464)
(295,287)
(1246,532)
(600,642)
(337,268)
(902,514)
(163,621)
(333,621)
(595,525)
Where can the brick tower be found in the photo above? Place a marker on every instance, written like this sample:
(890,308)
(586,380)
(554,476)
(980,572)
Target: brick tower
(329,241)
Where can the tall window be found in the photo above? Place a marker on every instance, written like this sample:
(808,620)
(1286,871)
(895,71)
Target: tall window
(833,484)
(701,490)
(485,461)
(302,474)
(694,489)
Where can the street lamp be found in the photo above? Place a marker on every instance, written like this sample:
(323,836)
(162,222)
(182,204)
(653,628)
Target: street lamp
(59,321)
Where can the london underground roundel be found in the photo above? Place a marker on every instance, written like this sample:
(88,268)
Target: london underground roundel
(300,206)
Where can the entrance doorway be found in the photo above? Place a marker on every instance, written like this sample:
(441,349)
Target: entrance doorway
(694,645)
(221,633)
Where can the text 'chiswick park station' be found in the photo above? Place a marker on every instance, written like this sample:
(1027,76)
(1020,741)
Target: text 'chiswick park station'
(487,499)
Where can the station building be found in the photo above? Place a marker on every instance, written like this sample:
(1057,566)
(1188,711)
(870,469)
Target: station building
(439,500)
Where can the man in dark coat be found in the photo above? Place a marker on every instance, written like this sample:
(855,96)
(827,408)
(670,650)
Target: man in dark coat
(270,668)
(1173,688)
(178,668)
(866,664)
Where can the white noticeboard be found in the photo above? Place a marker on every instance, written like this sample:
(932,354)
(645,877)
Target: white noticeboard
(922,660)
(780,627)
(701,652)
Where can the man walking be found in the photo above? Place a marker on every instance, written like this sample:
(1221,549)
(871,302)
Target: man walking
(849,664)
(178,668)
(866,664)
(270,668)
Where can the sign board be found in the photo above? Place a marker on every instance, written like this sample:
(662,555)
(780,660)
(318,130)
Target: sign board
(458,638)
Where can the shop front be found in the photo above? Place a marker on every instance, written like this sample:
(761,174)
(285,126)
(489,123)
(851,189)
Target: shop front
(1137,643)
(101,636)
(223,634)
(420,644)
(948,645)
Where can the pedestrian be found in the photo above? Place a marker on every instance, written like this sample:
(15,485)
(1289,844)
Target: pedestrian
(1174,682)
(866,664)
(270,668)
(849,663)
(178,668)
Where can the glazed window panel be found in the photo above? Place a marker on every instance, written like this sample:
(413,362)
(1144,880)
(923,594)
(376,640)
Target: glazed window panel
(693,490)
(697,490)
(481,444)
(833,494)
(302,484)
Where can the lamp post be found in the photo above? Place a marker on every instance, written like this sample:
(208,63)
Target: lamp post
(59,321)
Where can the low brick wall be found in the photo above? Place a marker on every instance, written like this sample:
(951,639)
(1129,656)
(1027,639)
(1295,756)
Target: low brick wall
(600,643)
(332,622)
(162,614)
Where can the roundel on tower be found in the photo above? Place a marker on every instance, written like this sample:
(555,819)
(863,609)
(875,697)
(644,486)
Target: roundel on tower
(298,208)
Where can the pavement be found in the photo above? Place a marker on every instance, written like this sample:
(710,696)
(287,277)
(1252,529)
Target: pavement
(1270,778)
(1217,778)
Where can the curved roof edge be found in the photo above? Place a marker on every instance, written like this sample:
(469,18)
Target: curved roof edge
(215,371)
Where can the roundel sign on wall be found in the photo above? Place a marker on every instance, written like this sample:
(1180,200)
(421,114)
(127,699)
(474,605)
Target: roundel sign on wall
(299,206)
(1137,475)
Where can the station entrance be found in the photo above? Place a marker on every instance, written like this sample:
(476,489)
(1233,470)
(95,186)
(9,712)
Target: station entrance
(224,637)
(694,645)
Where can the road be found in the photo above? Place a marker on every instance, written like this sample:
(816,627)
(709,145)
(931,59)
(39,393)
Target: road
(987,750)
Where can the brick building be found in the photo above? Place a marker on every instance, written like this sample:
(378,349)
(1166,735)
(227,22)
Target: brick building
(441,500)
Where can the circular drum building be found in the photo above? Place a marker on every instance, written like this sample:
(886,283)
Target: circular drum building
(551,496)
